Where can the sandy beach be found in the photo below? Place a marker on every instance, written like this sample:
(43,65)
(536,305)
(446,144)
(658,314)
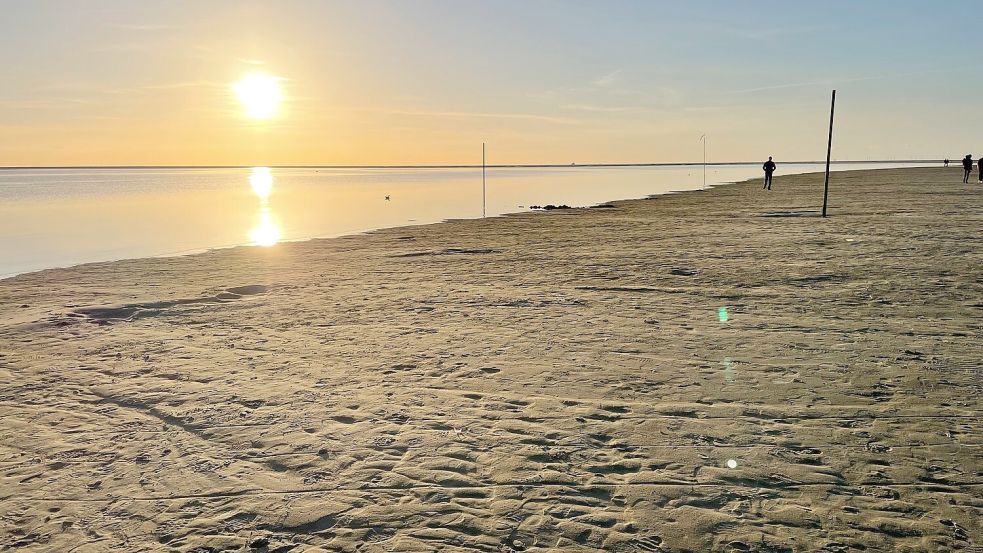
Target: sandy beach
(717,370)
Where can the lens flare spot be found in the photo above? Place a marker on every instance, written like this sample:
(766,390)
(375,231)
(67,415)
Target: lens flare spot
(722,314)
(728,369)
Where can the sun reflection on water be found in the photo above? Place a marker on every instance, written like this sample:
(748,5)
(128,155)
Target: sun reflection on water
(261,179)
(267,231)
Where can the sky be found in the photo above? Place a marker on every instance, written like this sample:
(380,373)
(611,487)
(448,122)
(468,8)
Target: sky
(540,81)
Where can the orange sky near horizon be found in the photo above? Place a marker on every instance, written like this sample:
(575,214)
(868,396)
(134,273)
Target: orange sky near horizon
(120,83)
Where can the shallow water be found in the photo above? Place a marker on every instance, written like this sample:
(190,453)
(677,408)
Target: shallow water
(63,217)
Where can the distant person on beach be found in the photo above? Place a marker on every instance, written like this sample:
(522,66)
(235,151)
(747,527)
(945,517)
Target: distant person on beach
(967,167)
(979,169)
(769,168)
(945,162)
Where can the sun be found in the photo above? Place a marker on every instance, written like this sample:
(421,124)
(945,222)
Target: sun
(260,95)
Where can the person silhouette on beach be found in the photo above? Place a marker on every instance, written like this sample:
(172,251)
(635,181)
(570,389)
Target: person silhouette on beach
(967,167)
(979,169)
(769,168)
(945,162)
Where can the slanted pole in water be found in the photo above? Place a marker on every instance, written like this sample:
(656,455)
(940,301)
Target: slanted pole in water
(829,151)
(482,180)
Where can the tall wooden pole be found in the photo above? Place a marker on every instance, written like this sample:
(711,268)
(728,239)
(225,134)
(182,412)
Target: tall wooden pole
(829,151)
(482,180)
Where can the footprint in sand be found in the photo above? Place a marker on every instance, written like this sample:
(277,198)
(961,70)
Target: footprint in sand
(648,543)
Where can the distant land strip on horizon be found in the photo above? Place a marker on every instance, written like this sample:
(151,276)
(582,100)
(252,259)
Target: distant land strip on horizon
(497,166)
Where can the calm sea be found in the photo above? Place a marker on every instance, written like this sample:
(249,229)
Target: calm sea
(63,217)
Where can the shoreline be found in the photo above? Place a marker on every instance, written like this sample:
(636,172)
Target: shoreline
(699,370)
(204,250)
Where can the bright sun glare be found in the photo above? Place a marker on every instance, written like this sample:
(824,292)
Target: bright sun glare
(261,180)
(267,232)
(260,95)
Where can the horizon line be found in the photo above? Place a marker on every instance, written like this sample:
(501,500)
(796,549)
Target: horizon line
(464,166)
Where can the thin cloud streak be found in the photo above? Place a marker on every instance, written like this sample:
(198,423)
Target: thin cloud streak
(141,26)
(40,103)
(836,81)
(776,32)
(477,115)
(601,109)
(608,80)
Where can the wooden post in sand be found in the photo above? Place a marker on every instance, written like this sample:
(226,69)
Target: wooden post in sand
(482,180)
(829,151)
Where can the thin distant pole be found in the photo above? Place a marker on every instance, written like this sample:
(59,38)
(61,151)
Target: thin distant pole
(829,151)
(482,180)
(703,139)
